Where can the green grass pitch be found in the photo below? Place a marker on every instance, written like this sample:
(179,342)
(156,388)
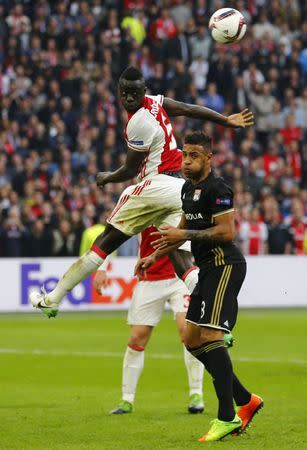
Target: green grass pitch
(59,378)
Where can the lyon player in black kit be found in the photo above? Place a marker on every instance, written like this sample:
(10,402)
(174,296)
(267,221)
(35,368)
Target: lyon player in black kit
(208,222)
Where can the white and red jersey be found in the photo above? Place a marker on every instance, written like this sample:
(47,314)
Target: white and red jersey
(149,130)
(253,237)
(298,229)
(163,268)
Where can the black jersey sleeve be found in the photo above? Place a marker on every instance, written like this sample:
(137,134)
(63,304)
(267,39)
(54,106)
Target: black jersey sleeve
(221,198)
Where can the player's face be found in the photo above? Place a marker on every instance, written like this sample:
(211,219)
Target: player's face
(132,94)
(196,162)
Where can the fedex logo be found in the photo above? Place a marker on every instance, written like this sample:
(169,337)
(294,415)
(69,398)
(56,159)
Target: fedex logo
(32,277)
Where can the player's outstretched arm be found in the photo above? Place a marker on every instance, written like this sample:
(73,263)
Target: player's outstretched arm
(126,172)
(242,119)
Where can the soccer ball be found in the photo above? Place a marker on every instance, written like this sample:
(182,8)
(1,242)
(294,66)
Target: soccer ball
(227,25)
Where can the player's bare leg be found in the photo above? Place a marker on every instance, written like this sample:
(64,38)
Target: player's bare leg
(195,371)
(105,244)
(133,366)
(184,267)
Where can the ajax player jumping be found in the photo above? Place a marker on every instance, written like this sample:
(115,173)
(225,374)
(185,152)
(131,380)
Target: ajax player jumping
(153,156)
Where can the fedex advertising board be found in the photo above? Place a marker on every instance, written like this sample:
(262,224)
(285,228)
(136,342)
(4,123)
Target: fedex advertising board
(271,281)
(20,276)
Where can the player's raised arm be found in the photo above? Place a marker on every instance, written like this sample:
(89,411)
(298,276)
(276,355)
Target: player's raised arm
(242,119)
(126,172)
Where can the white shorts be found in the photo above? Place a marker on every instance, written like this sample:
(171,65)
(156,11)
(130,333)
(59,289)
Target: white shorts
(155,201)
(149,300)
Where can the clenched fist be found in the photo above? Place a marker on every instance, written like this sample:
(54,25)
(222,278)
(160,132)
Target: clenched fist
(102,179)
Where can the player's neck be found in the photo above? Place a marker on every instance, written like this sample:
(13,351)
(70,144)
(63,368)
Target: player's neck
(202,177)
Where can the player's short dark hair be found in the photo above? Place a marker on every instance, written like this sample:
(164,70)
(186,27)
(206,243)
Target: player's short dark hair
(199,138)
(131,74)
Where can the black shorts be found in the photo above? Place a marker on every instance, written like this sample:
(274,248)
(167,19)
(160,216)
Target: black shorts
(214,300)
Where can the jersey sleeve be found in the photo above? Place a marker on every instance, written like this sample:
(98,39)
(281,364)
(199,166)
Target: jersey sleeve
(221,199)
(140,132)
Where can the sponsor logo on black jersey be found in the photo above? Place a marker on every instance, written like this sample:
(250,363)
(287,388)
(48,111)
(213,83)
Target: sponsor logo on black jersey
(195,216)
(196,195)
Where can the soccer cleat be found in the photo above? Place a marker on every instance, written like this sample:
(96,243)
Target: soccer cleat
(247,412)
(219,429)
(123,407)
(196,404)
(38,301)
(229,340)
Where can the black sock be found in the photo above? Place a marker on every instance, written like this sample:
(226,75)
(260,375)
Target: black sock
(240,394)
(215,358)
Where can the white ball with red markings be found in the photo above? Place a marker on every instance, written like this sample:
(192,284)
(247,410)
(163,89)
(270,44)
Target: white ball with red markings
(227,25)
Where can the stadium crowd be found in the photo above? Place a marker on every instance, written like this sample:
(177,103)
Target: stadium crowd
(61,122)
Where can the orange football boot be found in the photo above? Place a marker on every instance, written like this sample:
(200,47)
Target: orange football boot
(247,412)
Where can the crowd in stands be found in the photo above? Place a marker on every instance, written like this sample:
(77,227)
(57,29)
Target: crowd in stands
(61,121)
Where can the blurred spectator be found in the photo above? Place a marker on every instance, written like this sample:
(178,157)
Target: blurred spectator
(262,104)
(280,239)
(253,234)
(63,240)
(13,235)
(39,240)
(298,226)
(212,99)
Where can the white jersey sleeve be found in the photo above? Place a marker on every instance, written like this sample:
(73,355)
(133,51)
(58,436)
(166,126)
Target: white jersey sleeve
(141,130)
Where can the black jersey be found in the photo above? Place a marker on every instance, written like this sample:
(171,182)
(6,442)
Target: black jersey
(201,203)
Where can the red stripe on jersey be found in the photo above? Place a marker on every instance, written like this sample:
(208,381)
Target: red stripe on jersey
(120,205)
(142,171)
(171,156)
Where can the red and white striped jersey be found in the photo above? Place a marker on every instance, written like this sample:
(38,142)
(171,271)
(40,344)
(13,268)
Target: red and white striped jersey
(253,236)
(149,130)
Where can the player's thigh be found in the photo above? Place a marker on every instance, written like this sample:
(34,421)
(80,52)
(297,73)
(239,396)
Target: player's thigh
(146,203)
(178,296)
(178,299)
(214,301)
(147,303)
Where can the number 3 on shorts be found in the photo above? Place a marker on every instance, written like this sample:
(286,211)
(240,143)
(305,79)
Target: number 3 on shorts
(202,310)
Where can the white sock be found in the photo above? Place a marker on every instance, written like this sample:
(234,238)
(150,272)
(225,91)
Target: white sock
(132,369)
(190,277)
(195,371)
(81,269)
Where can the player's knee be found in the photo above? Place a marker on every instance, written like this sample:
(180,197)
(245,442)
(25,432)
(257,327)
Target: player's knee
(191,341)
(211,334)
(139,338)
